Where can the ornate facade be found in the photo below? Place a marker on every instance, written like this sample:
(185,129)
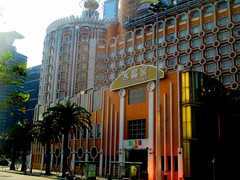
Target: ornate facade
(85,56)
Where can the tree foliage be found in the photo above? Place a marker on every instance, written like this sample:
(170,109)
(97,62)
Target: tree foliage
(65,117)
(19,137)
(45,133)
(12,74)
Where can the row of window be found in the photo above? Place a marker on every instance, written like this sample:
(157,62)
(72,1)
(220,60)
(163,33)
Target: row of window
(195,56)
(195,42)
(96,132)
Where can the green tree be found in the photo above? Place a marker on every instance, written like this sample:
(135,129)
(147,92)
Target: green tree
(20,137)
(13,74)
(64,118)
(45,133)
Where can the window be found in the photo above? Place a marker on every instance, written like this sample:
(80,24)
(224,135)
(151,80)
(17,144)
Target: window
(210,53)
(63,76)
(64,48)
(226,64)
(112,54)
(139,32)
(183,59)
(112,64)
(100,65)
(149,43)
(139,57)
(196,42)
(84,38)
(236,17)
(182,33)
(171,21)
(211,67)
(238,62)
(111,76)
(83,65)
(161,64)
(139,46)
(196,56)
(238,46)
(183,46)
(223,35)
(61,95)
(91,132)
(84,47)
(222,4)
(129,60)
(120,51)
(82,76)
(223,21)
(63,66)
(121,62)
(237,32)
(160,51)
(171,62)
(195,29)
(160,39)
(195,13)
(129,35)
(208,25)
(197,68)
(171,49)
(225,49)
(171,36)
(137,95)
(183,17)
(83,133)
(120,72)
(98,130)
(149,55)
(160,25)
(65,39)
(209,39)
(227,79)
(129,49)
(137,129)
(209,9)
(149,28)
(100,76)
(236,1)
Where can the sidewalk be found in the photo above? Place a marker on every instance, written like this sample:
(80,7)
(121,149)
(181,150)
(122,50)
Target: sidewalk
(37,172)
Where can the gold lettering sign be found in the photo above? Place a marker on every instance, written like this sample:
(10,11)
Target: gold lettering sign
(136,75)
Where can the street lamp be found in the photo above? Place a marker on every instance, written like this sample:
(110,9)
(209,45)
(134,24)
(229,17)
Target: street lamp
(156,8)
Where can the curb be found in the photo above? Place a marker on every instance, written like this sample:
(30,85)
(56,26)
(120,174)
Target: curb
(39,173)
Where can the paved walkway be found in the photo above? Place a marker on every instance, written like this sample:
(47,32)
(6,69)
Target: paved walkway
(36,172)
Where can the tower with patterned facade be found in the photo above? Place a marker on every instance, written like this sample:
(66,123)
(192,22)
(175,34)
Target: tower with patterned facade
(198,44)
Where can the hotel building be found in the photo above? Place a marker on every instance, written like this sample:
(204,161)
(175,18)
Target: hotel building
(108,66)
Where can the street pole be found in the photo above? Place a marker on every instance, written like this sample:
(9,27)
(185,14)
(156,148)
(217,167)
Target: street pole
(156,8)
(158,119)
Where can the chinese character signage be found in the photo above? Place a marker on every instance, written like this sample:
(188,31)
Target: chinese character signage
(136,75)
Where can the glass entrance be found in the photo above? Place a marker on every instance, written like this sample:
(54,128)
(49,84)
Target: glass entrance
(138,156)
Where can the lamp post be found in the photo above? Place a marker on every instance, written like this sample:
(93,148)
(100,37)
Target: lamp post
(156,8)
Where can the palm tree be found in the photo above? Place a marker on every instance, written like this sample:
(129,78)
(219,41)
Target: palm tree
(64,118)
(19,135)
(45,133)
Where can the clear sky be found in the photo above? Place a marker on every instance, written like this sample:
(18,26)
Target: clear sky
(31,18)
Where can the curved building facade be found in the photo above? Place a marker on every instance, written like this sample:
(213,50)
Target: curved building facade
(109,68)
